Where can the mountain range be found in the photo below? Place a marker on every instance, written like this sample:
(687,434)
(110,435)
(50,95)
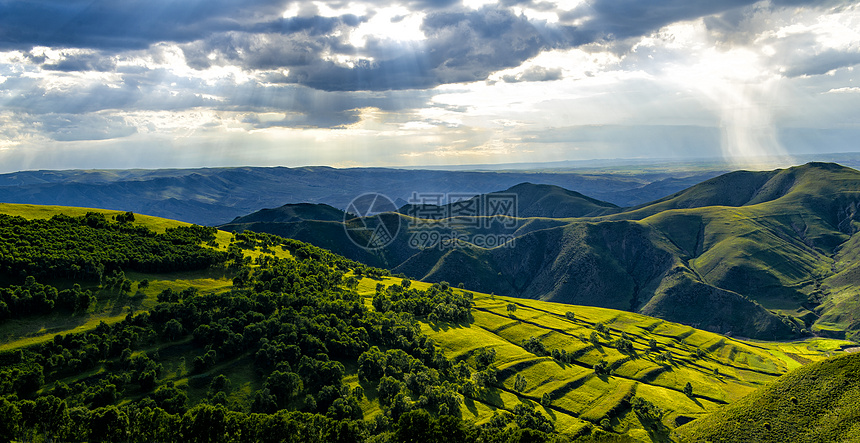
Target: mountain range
(769,255)
(212,196)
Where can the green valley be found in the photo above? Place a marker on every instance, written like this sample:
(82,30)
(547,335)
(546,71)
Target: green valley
(277,340)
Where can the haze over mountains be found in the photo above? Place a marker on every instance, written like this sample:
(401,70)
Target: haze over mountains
(761,254)
(217,195)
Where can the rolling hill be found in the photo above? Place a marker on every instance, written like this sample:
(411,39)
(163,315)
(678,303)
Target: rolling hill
(167,362)
(816,403)
(758,254)
(293,213)
(546,201)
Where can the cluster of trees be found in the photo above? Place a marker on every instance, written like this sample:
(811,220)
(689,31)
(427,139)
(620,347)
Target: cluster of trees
(52,419)
(438,303)
(298,320)
(88,247)
(33,298)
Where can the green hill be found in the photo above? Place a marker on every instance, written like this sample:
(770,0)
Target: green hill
(545,201)
(277,334)
(757,254)
(293,213)
(816,403)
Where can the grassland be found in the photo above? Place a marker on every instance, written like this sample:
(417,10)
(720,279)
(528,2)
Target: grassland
(817,403)
(721,369)
(665,356)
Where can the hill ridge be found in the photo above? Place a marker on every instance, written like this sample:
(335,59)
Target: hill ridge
(768,250)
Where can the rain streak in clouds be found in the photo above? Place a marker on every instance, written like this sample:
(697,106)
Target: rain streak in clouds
(95,84)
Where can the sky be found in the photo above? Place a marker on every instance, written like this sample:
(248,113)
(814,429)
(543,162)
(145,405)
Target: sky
(200,83)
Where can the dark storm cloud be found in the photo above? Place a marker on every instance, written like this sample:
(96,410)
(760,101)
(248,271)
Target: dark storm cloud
(306,107)
(461,46)
(468,45)
(254,51)
(129,24)
(621,19)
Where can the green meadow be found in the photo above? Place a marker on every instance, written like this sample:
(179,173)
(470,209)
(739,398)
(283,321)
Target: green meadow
(720,369)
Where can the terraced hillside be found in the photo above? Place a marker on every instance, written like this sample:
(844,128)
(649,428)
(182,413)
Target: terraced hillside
(656,365)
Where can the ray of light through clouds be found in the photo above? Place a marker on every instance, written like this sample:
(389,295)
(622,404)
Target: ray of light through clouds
(101,84)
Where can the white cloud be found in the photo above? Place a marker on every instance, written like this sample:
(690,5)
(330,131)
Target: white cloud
(845,90)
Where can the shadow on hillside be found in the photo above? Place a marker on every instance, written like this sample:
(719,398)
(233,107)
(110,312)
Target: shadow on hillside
(447,326)
(470,405)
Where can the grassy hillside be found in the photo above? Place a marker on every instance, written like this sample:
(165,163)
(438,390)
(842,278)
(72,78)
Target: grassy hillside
(293,213)
(720,369)
(508,365)
(819,402)
(111,305)
(532,200)
(769,255)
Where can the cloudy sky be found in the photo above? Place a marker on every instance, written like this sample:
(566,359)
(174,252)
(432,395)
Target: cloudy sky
(187,83)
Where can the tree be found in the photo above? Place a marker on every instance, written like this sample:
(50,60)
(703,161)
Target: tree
(520,383)
(688,390)
(647,411)
(204,423)
(264,402)
(83,301)
(11,420)
(512,308)
(546,400)
(417,426)
(484,357)
(284,385)
(172,329)
(601,368)
(570,315)
(108,424)
(127,217)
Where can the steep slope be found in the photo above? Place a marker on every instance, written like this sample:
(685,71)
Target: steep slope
(816,403)
(732,189)
(619,265)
